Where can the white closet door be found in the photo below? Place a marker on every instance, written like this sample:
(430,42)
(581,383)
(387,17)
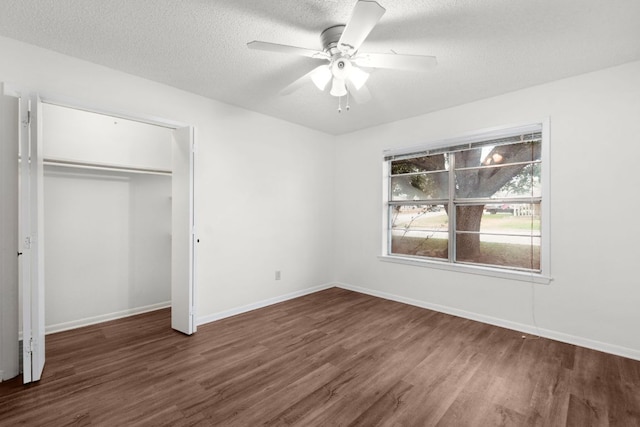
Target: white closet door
(32,232)
(9,139)
(182,234)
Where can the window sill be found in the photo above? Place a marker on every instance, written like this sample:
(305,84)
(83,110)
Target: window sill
(470,269)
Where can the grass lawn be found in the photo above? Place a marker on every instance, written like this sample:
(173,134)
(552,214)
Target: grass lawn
(490,222)
(503,254)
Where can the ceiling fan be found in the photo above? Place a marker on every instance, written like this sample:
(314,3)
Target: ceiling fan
(340,45)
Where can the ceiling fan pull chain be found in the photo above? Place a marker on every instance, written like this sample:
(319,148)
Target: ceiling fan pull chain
(339,105)
(348,107)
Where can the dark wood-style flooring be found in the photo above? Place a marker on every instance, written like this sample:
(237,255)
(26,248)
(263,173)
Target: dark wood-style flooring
(333,358)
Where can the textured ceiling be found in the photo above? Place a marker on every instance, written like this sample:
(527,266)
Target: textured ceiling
(484,48)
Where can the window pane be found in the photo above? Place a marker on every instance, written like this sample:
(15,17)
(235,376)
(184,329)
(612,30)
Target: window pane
(499,155)
(436,162)
(508,251)
(512,218)
(503,182)
(419,217)
(509,237)
(420,230)
(423,244)
(420,187)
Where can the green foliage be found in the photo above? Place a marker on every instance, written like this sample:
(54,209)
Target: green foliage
(431,185)
(524,181)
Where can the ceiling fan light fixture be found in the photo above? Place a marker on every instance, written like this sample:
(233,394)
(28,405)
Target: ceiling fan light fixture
(341,48)
(341,68)
(338,88)
(358,77)
(321,76)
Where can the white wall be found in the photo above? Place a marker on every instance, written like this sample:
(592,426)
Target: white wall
(595,144)
(263,187)
(76,135)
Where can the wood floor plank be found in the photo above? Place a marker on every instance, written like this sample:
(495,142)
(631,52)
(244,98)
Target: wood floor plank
(382,410)
(334,357)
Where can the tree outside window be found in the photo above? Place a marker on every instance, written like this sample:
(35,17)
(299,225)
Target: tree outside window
(475,203)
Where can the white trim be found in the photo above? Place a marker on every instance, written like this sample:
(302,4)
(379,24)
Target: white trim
(261,304)
(545,227)
(60,101)
(520,327)
(10,89)
(65,326)
(501,273)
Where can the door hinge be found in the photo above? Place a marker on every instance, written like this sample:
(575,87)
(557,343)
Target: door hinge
(27,120)
(28,346)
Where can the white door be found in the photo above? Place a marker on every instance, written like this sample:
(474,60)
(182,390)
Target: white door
(182,233)
(31,239)
(9,140)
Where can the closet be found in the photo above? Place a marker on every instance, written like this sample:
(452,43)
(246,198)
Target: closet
(107,216)
(103,222)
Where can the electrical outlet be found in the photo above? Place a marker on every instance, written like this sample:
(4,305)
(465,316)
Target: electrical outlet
(277,274)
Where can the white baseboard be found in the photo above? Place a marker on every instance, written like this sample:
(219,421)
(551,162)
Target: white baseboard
(65,326)
(260,304)
(528,329)
(521,327)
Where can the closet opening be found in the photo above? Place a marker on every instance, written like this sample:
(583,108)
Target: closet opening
(118,218)
(102,219)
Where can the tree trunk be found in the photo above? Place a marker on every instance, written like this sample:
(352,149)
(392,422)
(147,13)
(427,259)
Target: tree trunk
(468,218)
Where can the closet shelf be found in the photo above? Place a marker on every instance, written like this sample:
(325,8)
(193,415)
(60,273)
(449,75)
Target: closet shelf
(103,166)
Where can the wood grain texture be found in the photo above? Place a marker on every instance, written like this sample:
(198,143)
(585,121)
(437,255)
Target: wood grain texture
(333,358)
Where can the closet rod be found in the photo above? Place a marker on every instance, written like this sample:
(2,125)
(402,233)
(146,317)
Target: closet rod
(105,167)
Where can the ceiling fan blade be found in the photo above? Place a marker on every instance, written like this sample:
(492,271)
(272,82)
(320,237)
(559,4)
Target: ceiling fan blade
(291,50)
(361,95)
(302,81)
(365,16)
(396,61)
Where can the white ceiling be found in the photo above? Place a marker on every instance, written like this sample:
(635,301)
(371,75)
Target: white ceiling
(484,48)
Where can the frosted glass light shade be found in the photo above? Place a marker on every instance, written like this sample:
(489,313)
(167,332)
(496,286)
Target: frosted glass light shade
(321,76)
(358,77)
(338,88)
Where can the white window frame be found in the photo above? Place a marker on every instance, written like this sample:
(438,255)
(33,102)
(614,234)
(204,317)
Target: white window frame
(542,277)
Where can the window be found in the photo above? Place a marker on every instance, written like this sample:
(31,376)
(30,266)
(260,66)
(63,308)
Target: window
(474,203)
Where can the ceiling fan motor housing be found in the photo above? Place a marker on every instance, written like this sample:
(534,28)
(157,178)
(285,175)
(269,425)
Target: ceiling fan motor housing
(330,38)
